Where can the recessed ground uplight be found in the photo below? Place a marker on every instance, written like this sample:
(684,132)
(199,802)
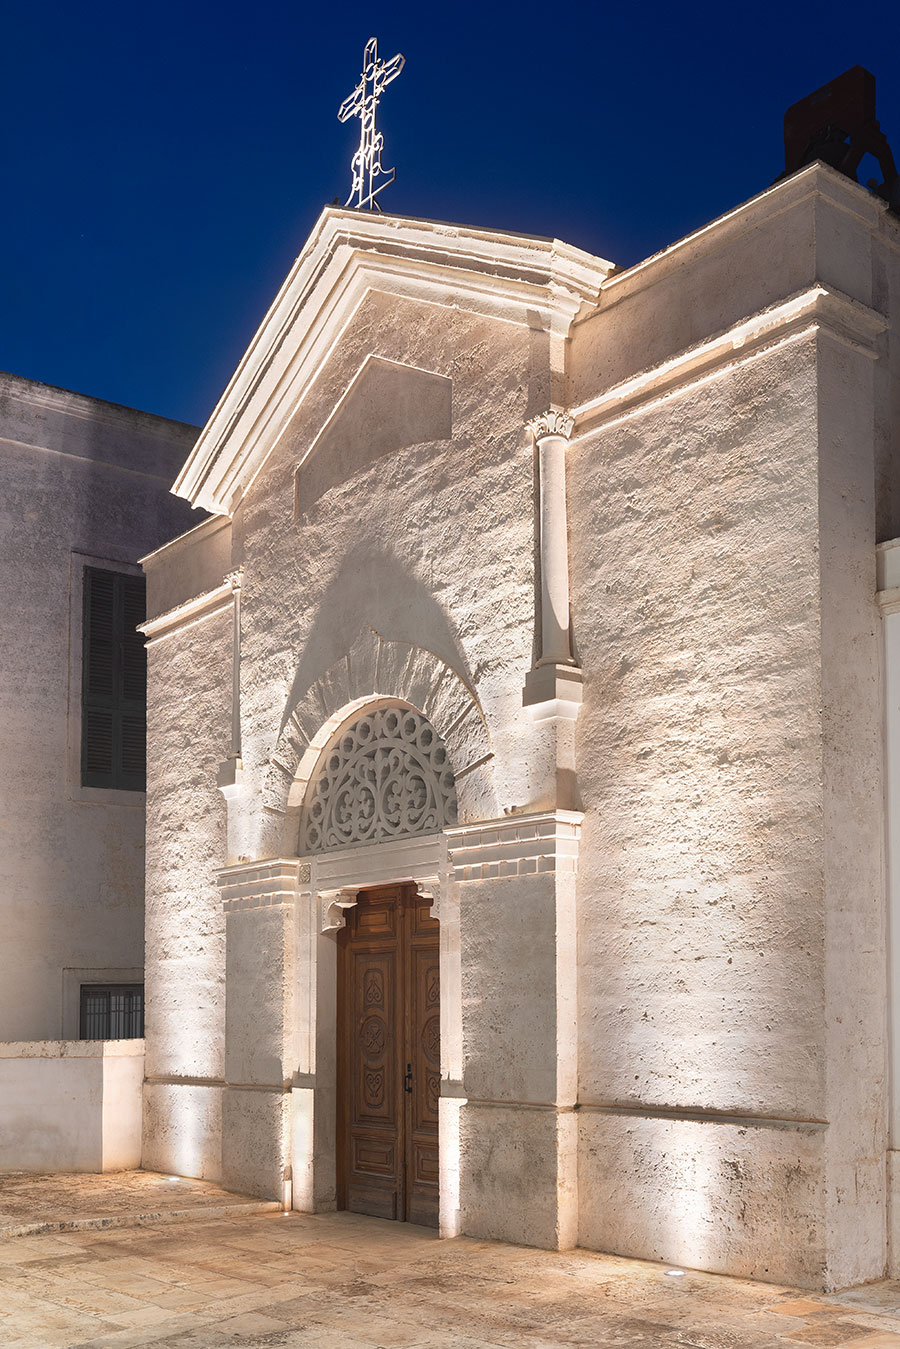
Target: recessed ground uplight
(674,1273)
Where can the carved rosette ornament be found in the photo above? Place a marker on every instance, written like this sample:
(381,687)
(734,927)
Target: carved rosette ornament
(384,776)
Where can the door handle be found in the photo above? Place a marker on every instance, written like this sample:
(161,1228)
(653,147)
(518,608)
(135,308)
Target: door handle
(407,1081)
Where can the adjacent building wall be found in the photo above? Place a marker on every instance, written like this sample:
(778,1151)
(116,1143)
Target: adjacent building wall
(71,1105)
(84,482)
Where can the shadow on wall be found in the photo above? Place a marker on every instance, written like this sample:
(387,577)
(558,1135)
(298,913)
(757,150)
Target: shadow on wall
(374,589)
(386,408)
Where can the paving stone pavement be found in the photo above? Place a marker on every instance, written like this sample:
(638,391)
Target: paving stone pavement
(338,1281)
(32,1203)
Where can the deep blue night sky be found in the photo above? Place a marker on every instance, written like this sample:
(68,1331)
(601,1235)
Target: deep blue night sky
(163,164)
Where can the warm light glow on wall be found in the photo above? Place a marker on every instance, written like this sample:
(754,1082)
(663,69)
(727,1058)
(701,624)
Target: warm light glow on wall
(449,1108)
(687,1219)
(187,1125)
(302,1152)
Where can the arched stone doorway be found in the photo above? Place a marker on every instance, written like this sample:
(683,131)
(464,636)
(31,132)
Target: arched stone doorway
(375,809)
(384,818)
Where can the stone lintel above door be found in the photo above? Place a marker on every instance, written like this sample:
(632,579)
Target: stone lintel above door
(338,876)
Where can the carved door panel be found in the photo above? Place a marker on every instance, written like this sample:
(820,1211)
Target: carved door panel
(389,1057)
(370,999)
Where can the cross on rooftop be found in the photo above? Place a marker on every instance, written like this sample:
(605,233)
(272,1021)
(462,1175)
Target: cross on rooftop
(362,103)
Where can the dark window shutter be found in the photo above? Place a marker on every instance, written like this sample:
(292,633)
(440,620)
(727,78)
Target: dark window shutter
(114,682)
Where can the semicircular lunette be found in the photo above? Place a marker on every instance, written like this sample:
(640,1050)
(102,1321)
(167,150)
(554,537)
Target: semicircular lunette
(375,670)
(385,775)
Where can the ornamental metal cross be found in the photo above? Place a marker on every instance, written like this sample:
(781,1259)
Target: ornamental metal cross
(366,163)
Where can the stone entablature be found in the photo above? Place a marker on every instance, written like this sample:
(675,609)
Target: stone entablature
(523,845)
(335,878)
(271,883)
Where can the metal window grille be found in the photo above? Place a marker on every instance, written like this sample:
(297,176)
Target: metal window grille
(112,1011)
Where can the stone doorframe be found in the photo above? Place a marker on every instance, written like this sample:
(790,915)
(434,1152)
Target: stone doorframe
(282,919)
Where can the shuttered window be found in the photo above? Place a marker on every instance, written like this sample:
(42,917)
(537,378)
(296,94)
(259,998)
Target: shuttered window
(112,1011)
(114,682)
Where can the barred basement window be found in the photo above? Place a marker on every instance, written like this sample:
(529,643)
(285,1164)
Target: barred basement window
(112,1011)
(114,682)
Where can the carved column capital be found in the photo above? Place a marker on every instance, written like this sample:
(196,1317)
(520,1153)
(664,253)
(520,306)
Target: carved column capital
(235,578)
(553,422)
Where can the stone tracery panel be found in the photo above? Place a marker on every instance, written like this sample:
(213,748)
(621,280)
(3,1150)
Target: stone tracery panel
(384,776)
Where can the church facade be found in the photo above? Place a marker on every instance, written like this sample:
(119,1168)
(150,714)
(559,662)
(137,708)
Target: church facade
(516,847)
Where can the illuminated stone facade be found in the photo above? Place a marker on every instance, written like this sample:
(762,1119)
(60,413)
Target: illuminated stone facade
(611,537)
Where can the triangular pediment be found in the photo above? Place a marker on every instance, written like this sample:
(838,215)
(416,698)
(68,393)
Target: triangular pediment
(386,407)
(537,283)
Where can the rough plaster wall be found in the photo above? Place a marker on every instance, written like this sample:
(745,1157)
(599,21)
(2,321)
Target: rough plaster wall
(432,544)
(189,726)
(255,1126)
(182,1129)
(714,1195)
(261,1047)
(511,1161)
(508,938)
(855,922)
(71,863)
(693,531)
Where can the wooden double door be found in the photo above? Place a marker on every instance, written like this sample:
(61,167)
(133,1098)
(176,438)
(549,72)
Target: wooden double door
(389,1057)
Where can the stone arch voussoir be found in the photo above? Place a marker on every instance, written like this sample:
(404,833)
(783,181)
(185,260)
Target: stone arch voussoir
(378,668)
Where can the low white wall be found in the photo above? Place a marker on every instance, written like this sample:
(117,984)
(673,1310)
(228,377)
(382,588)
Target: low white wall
(71,1105)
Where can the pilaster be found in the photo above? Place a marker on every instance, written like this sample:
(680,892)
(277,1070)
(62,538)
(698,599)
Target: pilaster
(230,777)
(553,686)
(267,1013)
(517,1139)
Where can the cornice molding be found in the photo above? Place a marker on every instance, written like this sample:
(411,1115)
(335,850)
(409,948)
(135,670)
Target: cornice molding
(212,525)
(272,882)
(84,407)
(334,878)
(195,610)
(818,309)
(817,181)
(888,600)
(528,282)
(517,845)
